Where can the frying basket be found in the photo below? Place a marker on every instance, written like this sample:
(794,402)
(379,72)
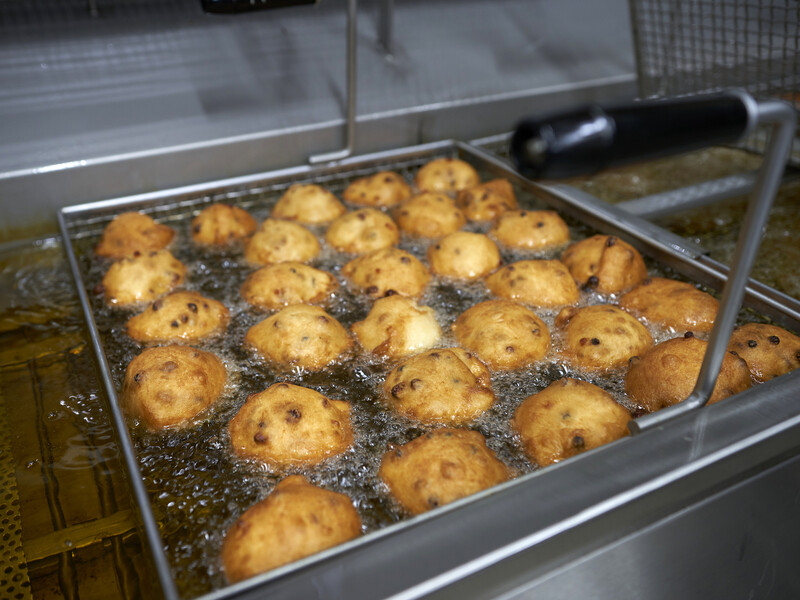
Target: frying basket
(704,46)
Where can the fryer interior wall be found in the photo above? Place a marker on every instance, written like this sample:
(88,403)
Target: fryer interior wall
(149,95)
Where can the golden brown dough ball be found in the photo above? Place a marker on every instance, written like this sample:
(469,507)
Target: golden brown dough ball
(142,279)
(446,175)
(296,520)
(670,303)
(530,229)
(444,386)
(221,224)
(440,467)
(397,327)
(362,231)
(300,336)
(668,373)
(390,270)
(385,188)
(287,283)
(768,350)
(601,337)
(429,214)
(568,417)
(288,426)
(308,203)
(170,385)
(279,241)
(487,201)
(605,263)
(505,335)
(133,234)
(545,283)
(464,255)
(187,316)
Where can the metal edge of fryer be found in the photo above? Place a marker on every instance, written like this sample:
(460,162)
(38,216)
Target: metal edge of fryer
(316,570)
(146,521)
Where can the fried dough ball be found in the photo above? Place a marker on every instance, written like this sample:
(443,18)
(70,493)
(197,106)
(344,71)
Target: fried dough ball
(300,336)
(296,520)
(308,203)
(170,385)
(464,255)
(768,350)
(601,337)
(221,224)
(530,229)
(444,386)
(670,303)
(397,327)
(288,426)
(440,467)
(390,270)
(446,175)
(385,188)
(487,201)
(430,214)
(187,316)
(284,284)
(668,372)
(505,335)
(605,263)
(279,241)
(568,417)
(142,279)
(133,234)
(362,231)
(545,283)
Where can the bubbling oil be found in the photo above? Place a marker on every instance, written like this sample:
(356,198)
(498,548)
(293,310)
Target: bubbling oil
(198,487)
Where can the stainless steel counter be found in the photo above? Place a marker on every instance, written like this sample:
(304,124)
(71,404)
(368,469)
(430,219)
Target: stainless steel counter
(150,94)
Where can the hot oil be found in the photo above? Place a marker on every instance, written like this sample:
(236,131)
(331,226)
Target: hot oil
(196,485)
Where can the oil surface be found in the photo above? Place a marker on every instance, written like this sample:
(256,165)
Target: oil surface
(77,528)
(198,488)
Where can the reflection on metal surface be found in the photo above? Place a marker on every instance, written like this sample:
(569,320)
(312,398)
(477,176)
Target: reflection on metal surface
(80,536)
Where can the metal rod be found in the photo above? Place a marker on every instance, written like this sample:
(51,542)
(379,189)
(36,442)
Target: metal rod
(350,123)
(386,26)
(783,119)
(694,196)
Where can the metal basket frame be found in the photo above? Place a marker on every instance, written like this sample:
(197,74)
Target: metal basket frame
(434,551)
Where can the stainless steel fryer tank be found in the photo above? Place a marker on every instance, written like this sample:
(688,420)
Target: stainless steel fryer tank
(534,532)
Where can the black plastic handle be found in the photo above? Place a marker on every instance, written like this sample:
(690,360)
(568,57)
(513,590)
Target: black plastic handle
(584,141)
(239,6)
